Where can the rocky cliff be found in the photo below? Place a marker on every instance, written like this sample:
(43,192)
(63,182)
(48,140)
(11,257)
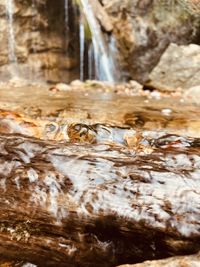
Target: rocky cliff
(144,29)
(43,46)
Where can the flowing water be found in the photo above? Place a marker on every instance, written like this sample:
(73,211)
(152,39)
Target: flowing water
(67,18)
(82,48)
(104,61)
(91,73)
(11,35)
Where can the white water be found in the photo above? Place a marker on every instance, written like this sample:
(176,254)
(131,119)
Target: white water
(82,48)
(11,37)
(104,63)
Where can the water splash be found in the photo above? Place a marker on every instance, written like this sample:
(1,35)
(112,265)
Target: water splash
(104,62)
(11,37)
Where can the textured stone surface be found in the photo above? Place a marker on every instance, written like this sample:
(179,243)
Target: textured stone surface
(145,28)
(42,47)
(182,261)
(193,94)
(179,67)
(70,204)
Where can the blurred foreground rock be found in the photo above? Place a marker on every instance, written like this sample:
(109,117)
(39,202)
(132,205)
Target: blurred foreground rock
(181,261)
(179,68)
(98,205)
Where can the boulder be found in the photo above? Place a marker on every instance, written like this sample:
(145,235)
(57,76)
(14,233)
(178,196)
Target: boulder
(178,68)
(193,94)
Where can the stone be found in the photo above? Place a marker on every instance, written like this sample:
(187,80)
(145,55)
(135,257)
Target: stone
(40,44)
(181,261)
(178,68)
(98,204)
(63,87)
(193,94)
(144,28)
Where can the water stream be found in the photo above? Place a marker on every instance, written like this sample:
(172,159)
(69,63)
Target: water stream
(82,48)
(11,36)
(91,62)
(104,61)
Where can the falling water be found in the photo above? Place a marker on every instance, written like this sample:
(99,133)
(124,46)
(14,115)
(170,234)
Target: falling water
(66,17)
(82,48)
(11,37)
(91,62)
(104,63)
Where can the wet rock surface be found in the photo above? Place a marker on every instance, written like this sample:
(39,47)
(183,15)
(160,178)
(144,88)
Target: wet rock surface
(96,103)
(84,205)
(99,173)
(84,187)
(189,261)
(178,68)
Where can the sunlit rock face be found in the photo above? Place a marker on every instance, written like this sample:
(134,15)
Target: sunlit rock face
(178,68)
(35,42)
(144,29)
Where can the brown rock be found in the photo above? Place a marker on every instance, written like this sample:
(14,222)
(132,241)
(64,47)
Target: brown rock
(145,28)
(41,46)
(179,68)
(97,205)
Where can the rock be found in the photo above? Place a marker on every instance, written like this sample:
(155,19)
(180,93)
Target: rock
(40,44)
(65,204)
(181,261)
(135,86)
(63,87)
(101,15)
(193,94)
(178,68)
(144,29)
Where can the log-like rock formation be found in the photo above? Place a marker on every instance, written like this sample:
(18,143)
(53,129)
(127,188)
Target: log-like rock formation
(98,205)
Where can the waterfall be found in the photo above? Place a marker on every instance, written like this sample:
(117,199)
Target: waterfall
(104,62)
(91,62)
(82,48)
(11,37)
(66,17)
